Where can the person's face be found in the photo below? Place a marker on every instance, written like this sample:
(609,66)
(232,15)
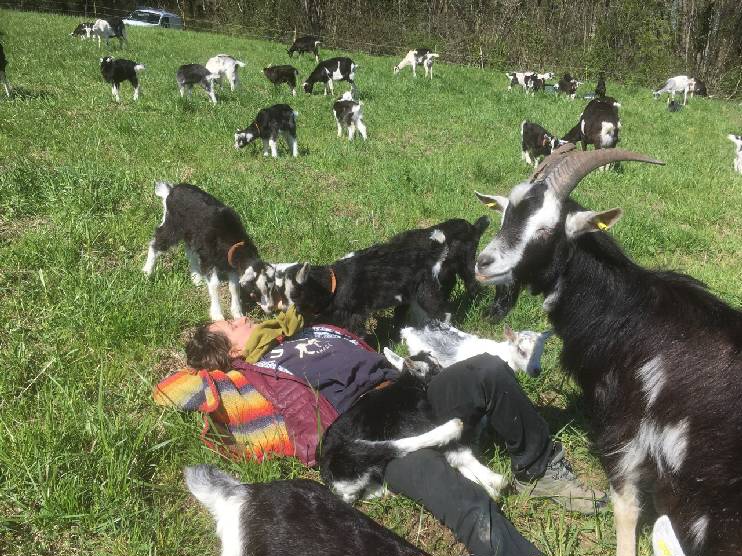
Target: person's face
(237,330)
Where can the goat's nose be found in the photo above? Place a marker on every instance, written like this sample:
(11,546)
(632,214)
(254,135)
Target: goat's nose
(485,260)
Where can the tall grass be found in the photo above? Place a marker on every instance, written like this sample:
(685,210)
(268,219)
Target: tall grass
(88,464)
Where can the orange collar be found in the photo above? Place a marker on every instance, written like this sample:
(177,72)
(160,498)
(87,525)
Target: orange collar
(333,281)
(232,250)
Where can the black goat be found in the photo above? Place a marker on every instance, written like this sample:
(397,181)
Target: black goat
(600,89)
(282,74)
(333,69)
(699,88)
(385,275)
(294,517)
(216,245)
(117,71)
(535,142)
(599,125)
(568,85)
(534,83)
(389,423)
(658,357)
(189,75)
(304,44)
(268,123)
(3,65)
(673,105)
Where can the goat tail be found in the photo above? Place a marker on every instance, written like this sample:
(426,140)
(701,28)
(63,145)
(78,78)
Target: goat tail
(139,67)
(239,64)
(214,488)
(162,189)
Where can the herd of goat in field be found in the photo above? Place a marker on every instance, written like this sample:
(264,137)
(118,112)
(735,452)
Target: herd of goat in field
(657,356)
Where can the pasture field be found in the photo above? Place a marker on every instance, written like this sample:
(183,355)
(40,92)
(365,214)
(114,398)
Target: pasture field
(88,464)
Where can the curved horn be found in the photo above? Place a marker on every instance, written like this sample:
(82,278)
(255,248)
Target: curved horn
(564,176)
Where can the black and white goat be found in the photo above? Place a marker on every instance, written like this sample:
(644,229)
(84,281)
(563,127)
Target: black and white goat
(111,28)
(598,125)
(189,75)
(305,518)
(737,140)
(600,88)
(389,423)
(304,44)
(83,30)
(568,85)
(346,292)
(423,56)
(116,71)
(333,69)
(268,124)
(225,66)
(521,351)
(519,78)
(282,74)
(658,357)
(3,65)
(536,142)
(678,84)
(349,116)
(216,246)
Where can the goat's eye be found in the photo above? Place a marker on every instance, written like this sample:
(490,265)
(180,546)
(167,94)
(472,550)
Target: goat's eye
(522,352)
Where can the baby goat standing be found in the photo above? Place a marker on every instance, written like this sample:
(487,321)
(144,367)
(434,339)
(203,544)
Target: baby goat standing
(305,44)
(279,118)
(225,65)
(117,71)
(282,74)
(536,142)
(415,57)
(737,140)
(189,75)
(349,116)
(333,69)
(111,28)
(216,245)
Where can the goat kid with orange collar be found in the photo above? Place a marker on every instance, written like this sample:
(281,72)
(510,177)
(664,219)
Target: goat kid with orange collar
(658,357)
(216,245)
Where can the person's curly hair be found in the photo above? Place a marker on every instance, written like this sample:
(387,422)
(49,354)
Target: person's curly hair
(206,349)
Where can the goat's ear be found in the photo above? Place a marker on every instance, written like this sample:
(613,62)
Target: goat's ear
(495,202)
(303,274)
(509,334)
(396,360)
(584,222)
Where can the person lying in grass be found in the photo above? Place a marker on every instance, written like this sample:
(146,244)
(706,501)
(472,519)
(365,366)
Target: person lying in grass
(281,377)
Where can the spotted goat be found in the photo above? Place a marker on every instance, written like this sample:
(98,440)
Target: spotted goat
(658,357)
(416,57)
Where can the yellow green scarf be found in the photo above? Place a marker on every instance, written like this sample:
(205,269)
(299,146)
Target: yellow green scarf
(264,335)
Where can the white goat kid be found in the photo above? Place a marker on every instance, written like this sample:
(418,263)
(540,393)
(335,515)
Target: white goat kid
(415,57)
(737,140)
(522,351)
(678,84)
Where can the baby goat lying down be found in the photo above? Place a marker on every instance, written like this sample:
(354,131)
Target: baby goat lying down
(216,245)
(279,118)
(389,423)
(117,71)
(349,116)
(189,75)
(294,517)
(522,351)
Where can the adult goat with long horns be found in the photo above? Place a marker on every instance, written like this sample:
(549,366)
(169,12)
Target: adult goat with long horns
(658,357)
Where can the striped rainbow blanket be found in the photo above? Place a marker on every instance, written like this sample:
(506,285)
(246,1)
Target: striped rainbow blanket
(230,402)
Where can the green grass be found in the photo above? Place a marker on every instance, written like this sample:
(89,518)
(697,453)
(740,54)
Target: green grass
(88,464)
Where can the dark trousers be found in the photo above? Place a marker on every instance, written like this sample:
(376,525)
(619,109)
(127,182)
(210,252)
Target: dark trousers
(482,388)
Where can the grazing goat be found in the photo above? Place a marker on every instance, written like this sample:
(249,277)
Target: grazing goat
(568,85)
(737,140)
(415,57)
(599,125)
(111,28)
(536,142)
(295,516)
(389,423)
(521,351)
(269,122)
(216,246)
(117,71)
(600,89)
(349,116)
(305,44)
(333,69)
(657,356)
(519,78)
(282,74)
(346,292)
(678,84)
(3,65)
(83,30)
(189,75)
(225,66)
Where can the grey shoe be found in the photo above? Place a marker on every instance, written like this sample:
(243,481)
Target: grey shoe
(560,484)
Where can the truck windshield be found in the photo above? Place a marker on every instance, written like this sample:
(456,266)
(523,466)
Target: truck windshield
(146,17)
